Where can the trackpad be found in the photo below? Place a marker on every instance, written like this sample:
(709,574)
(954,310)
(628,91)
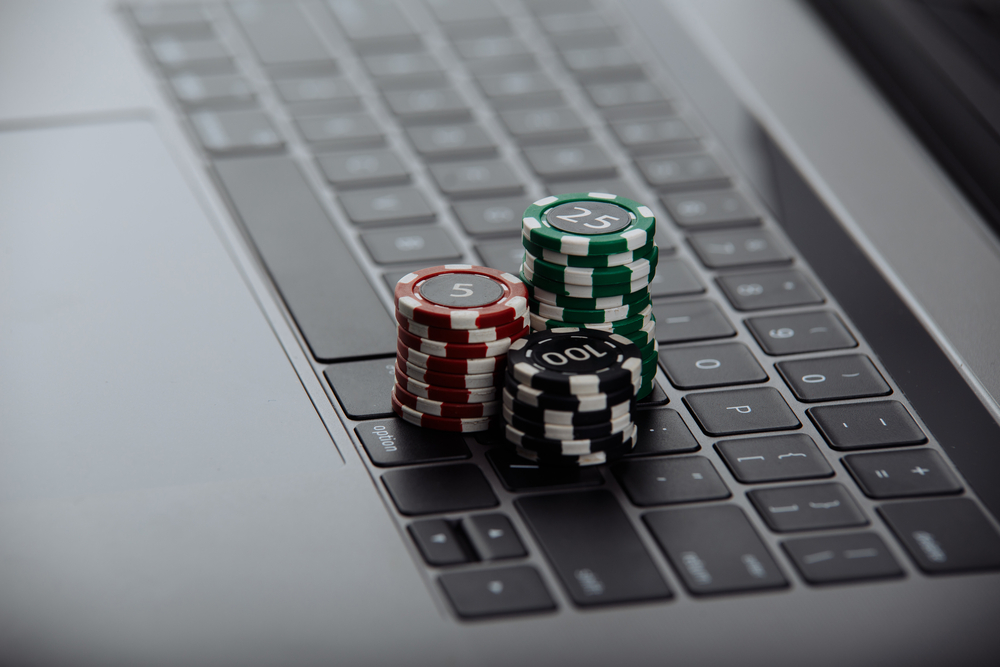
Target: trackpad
(132,354)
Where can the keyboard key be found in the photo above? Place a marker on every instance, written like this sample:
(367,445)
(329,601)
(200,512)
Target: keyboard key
(627,98)
(416,245)
(351,130)
(436,489)
(810,507)
(837,558)
(768,289)
(654,398)
(232,132)
(662,431)
(577,161)
(558,24)
(520,89)
(457,11)
(595,37)
(489,48)
(683,171)
(776,458)
(950,535)
(691,320)
(372,21)
(197,55)
(479,178)
(913,472)
(493,536)
(496,592)
(673,278)
(830,378)
(729,558)
(428,106)
(517,474)
(280,34)
(702,210)
(545,126)
(613,185)
(711,366)
(397,65)
(491,216)
(437,542)
(800,332)
(739,247)
(505,255)
(394,442)
(863,425)
(198,90)
(602,63)
(295,90)
(363,169)
(508,65)
(593,548)
(393,206)
(741,411)
(665,481)
(307,258)
(363,387)
(451,142)
(653,135)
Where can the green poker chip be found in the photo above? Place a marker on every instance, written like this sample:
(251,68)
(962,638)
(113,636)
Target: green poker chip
(575,275)
(586,224)
(587,291)
(595,316)
(623,327)
(587,261)
(545,296)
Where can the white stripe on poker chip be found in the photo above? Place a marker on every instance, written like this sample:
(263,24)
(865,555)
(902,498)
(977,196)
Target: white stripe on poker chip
(646,212)
(604,195)
(621,339)
(469,380)
(636,238)
(529,223)
(575,245)
(545,201)
(584,384)
(585,291)
(407,304)
(513,279)
(458,266)
(408,278)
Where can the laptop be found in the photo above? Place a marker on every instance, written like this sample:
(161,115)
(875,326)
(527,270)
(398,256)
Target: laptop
(204,211)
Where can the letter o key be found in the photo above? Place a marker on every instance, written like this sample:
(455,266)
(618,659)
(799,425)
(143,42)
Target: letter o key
(813,379)
(707,364)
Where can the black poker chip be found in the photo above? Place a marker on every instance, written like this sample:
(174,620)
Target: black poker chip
(576,447)
(578,460)
(564,431)
(569,403)
(567,417)
(579,362)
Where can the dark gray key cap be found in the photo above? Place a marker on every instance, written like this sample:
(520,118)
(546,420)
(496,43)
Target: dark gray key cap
(491,27)
(682,171)
(456,11)
(473,179)
(691,320)
(864,425)
(829,378)
(312,266)
(913,472)
(837,558)
(593,548)
(487,66)
(729,558)
(436,489)
(198,90)
(353,130)
(650,135)
(416,245)
(576,161)
(520,89)
(809,507)
(800,332)
(451,142)
(295,90)
(496,592)
(372,20)
(741,411)
(711,365)
(232,132)
(505,255)
(599,36)
(517,474)
(719,208)
(769,289)
(628,99)
(394,442)
(430,105)
(280,34)
(661,431)
(394,65)
(363,387)
(739,247)
(363,169)
(436,540)
(543,126)
(201,55)
(489,48)
(666,481)
(602,63)
(613,185)
(392,206)
(558,24)
(950,535)
(673,278)
(491,216)
(774,458)
(493,536)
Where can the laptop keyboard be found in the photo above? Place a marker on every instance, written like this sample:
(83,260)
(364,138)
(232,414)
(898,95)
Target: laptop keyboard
(357,140)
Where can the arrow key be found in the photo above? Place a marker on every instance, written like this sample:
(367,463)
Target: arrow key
(493,536)
(437,542)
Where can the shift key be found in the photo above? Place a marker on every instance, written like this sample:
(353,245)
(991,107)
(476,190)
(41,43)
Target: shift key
(593,548)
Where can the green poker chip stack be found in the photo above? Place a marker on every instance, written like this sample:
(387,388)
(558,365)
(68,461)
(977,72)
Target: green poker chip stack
(589,259)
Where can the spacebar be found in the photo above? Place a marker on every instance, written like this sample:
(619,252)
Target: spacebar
(593,547)
(334,305)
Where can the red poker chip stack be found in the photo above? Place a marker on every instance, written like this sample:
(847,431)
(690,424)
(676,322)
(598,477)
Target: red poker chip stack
(455,325)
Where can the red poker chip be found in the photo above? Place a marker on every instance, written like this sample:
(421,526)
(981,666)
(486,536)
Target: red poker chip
(431,408)
(461,296)
(440,423)
(439,348)
(462,335)
(452,380)
(457,366)
(446,394)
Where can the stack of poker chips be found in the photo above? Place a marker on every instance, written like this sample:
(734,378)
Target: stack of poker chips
(455,325)
(589,259)
(569,396)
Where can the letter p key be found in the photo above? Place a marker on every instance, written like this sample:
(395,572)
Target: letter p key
(742,409)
